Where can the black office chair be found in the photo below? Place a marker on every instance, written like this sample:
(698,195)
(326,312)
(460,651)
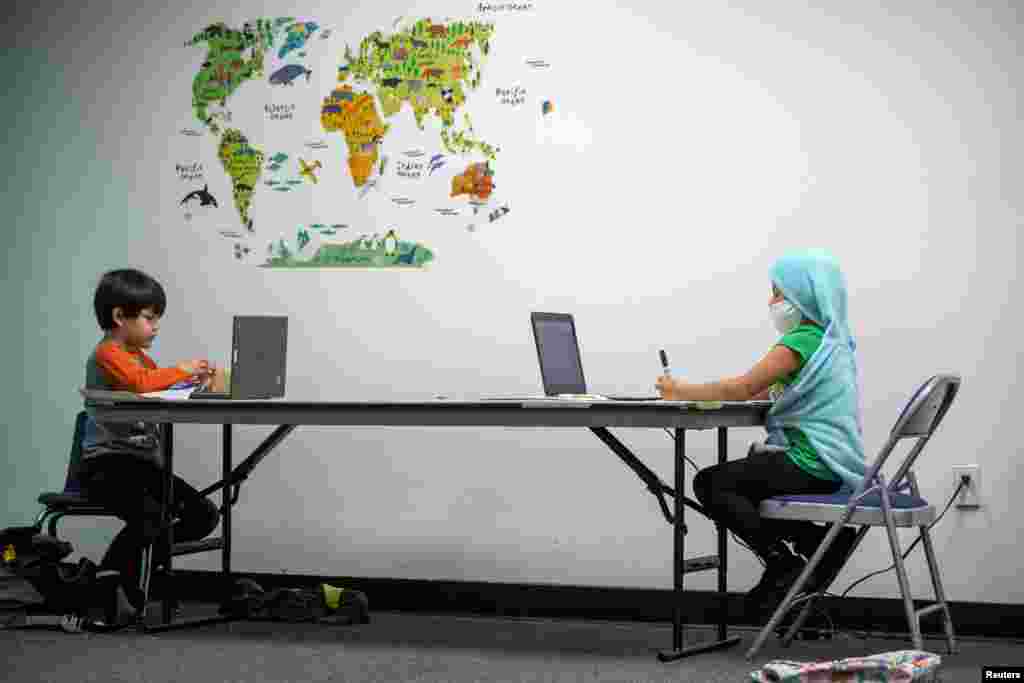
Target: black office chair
(72,501)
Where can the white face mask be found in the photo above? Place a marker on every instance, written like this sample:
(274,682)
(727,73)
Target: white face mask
(785,315)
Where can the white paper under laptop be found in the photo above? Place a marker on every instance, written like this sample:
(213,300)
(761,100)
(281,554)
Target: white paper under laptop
(175,393)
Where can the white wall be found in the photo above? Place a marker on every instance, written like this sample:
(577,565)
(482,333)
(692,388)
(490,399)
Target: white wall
(719,137)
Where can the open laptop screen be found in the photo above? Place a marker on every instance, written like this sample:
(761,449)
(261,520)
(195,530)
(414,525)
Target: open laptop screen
(559,353)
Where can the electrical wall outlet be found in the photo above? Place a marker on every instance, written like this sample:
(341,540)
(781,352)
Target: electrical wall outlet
(970,495)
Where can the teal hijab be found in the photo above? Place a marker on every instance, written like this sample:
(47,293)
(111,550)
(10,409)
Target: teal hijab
(824,401)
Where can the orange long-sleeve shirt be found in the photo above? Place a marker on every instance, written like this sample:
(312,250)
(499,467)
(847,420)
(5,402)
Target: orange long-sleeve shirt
(122,370)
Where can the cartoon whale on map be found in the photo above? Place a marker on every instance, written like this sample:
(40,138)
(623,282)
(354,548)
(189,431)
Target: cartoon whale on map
(286,75)
(203,195)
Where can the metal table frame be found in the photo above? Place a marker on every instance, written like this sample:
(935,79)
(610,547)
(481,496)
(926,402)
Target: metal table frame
(598,416)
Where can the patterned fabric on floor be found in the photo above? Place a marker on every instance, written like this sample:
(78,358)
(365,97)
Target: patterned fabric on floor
(888,667)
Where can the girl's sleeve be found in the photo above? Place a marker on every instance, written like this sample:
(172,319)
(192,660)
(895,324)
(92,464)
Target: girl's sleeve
(126,374)
(804,341)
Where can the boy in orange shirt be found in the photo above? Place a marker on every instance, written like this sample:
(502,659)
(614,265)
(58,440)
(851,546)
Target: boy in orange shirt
(122,464)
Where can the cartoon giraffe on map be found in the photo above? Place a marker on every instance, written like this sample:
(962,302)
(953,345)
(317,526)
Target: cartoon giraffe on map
(308,170)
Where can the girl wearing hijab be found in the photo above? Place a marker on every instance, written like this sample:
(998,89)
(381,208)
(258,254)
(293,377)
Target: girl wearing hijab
(815,441)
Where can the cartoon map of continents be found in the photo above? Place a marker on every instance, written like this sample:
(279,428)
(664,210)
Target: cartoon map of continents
(426,65)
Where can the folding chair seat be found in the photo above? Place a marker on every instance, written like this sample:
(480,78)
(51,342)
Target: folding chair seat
(907,509)
(875,503)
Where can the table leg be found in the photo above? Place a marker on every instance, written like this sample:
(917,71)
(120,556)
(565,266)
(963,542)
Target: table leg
(225,501)
(167,516)
(167,625)
(231,479)
(678,566)
(723,560)
(678,541)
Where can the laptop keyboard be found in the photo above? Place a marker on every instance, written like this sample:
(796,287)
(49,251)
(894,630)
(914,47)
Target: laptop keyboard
(203,392)
(634,398)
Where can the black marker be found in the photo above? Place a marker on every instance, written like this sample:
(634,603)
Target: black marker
(664,363)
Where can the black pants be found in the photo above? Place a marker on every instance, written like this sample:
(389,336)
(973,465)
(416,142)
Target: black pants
(134,490)
(732,492)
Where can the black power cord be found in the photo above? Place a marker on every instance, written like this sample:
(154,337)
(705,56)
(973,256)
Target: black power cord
(960,486)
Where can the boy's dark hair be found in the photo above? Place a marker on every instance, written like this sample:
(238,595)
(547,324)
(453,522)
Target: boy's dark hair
(130,290)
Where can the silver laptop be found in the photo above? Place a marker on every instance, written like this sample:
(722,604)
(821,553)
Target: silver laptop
(558,351)
(561,369)
(259,346)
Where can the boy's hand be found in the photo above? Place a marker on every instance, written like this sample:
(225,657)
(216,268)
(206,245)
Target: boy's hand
(199,367)
(217,380)
(665,387)
(206,372)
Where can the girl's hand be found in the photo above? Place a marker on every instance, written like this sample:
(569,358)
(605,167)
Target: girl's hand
(665,387)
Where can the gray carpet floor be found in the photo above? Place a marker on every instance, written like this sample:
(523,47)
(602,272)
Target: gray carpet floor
(418,647)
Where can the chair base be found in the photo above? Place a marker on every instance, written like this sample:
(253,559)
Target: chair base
(940,606)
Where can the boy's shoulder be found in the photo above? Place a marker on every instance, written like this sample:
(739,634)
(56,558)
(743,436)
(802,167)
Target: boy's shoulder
(107,349)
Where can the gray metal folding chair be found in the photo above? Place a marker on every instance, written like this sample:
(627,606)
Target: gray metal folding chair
(875,503)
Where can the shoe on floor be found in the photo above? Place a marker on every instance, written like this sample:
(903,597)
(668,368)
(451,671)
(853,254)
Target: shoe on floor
(780,572)
(832,560)
(118,609)
(124,611)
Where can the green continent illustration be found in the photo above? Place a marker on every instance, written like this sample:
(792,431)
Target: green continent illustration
(243,163)
(365,252)
(233,57)
(430,66)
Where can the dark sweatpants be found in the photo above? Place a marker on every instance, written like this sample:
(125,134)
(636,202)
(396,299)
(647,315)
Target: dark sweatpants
(732,492)
(134,490)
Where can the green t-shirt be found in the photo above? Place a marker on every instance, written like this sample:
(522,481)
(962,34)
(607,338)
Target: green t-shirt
(804,339)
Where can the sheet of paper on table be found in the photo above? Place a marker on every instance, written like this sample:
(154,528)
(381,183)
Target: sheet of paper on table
(171,394)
